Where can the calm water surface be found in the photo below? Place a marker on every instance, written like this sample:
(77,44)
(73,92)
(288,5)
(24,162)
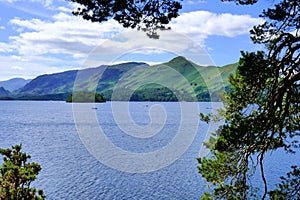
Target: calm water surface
(47,131)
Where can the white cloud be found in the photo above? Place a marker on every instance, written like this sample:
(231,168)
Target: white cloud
(46,3)
(9,1)
(79,56)
(14,57)
(52,45)
(65,35)
(2,27)
(193,2)
(30,67)
(17,68)
(5,48)
(65,9)
(63,41)
(201,24)
(296,32)
(134,42)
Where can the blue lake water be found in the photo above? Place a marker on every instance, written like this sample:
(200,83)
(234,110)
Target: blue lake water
(48,132)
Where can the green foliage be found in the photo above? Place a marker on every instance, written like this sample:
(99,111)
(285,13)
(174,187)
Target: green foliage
(16,175)
(146,15)
(154,94)
(83,97)
(262,112)
(47,97)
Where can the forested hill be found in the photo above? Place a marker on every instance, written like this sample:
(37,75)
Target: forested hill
(135,81)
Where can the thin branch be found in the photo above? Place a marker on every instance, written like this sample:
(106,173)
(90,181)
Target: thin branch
(263,175)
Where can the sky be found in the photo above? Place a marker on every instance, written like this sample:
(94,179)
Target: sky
(43,37)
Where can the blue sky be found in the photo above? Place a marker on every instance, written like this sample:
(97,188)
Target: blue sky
(42,36)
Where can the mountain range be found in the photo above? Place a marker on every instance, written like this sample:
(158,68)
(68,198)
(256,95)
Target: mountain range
(178,79)
(14,84)
(4,92)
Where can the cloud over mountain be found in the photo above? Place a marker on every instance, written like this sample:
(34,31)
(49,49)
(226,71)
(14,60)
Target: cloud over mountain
(59,41)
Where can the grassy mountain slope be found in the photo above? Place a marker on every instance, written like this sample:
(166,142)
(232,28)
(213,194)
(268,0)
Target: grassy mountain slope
(179,76)
(63,82)
(175,80)
(49,84)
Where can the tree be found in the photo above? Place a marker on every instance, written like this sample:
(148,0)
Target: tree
(146,15)
(262,112)
(16,176)
(85,97)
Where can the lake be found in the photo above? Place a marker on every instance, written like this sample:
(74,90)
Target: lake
(147,152)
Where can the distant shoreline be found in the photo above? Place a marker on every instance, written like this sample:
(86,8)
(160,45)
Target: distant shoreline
(2,99)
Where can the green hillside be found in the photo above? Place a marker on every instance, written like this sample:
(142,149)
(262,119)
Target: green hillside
(176,80)
(63,82)
(48,84)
